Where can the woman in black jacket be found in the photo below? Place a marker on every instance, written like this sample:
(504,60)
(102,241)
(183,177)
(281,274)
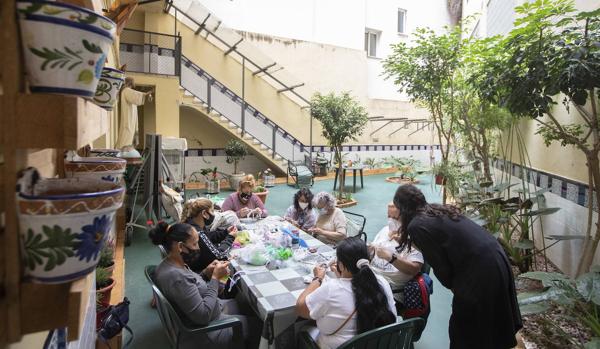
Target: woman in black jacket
(468,260)
(214,245)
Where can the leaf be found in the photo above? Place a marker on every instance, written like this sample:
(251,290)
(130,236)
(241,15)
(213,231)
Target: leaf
(91,47)
(51,10)
(86,76)
(50,263)
(588,286)
(534,308)
(565,237)
(34,7)
(524,245)
(547,278)
(89,19)
(541,212)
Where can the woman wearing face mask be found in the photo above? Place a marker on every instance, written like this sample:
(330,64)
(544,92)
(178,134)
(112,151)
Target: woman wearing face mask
(199,213)
(301,213)
(331,222)
(396,266)
(243,202)
(355,302)
(195,298)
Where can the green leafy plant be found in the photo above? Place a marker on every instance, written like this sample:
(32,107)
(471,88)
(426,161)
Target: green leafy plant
(235,151)
(554,50)
(259,189)
(343,119)
(106,257)
(210,174)
(103,278)
(580,299)
(372,163)
(451,173)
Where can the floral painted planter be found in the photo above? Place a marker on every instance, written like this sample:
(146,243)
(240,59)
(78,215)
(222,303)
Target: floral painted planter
(101,168)
(108,88)
(64,46)
(112,153)
(63,224)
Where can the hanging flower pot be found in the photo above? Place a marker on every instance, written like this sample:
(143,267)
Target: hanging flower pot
(64,46)
(108,88)
(63,224)
(440,180)
(104,168)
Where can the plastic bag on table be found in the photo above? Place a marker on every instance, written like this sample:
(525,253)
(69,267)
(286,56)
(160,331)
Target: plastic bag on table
(255,254)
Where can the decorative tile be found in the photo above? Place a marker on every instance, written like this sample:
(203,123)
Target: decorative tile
(271,288)
(572,192)
(556,186)
(563,189)
(543,181)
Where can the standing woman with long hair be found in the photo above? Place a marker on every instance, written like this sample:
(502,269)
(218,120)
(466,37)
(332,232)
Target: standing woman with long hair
(355,302)
(468,260)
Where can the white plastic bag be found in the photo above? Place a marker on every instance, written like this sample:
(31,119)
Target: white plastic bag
(224,220)
(255,254)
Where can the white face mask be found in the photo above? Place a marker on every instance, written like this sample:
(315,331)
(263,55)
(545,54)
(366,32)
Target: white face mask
(394,224)
(303,205)
(323,210)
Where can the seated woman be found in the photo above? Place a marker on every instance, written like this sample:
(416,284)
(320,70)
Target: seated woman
(196,299)
(199,213)
(331,222)
(397,267)
(355,302)
(301,213)
(243,202)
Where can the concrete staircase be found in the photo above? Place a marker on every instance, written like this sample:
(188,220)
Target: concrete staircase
(256,147)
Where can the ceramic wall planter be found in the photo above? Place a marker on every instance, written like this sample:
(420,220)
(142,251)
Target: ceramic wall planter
(113,153)
(63,224)
(102,168)
(108,88)
(64,46)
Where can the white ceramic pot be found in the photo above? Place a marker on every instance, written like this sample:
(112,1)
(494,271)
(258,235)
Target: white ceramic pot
(102,168)
(235,179)
(64,46)
(108,88)
(64,224)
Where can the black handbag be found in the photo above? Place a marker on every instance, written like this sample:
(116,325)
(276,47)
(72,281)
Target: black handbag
(116,319)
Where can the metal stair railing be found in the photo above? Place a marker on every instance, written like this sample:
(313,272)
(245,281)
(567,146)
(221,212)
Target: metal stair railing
(157,53)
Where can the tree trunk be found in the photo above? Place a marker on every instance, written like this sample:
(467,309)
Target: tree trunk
(338,155)
(590,244)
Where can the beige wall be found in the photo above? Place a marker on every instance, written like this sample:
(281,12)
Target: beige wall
(194,126)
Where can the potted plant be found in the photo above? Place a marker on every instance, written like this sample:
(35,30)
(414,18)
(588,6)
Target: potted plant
(235,151)
(268,178)
(213,185)
(261,192)
(104,285)
(342,119)
(107,261)
(447,174)
(101,310)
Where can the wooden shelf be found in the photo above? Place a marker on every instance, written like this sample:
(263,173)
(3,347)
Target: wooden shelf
(54,121)
(45,307)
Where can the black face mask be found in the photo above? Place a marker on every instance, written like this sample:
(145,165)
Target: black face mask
(191,256)
(210,219)
(245,196)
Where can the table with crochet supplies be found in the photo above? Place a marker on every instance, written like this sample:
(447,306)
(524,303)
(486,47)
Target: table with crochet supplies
(271,275)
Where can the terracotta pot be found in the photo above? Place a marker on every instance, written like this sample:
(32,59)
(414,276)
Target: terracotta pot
(105,292)
(262,196)
(63,224)
(440,180)
(107,91)
(64,46)
(104,168)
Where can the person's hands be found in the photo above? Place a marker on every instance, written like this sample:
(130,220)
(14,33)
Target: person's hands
(149,96)
(221,270)
(319,271)
(243,212)
(232,230)
(384,253)
(315,231)
(208,271)
(334,268)
(257,211)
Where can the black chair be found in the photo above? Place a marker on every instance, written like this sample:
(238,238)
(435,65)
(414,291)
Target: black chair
(355,225)
(175,328)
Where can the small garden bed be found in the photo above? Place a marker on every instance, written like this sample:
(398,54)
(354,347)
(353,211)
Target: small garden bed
(401,180)
(346,203)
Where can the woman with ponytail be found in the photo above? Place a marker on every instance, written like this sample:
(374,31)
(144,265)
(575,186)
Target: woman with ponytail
(355,302)
(468,260)
(194,298)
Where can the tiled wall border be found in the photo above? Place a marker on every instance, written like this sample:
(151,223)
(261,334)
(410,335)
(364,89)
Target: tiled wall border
(324,148)
(568,189)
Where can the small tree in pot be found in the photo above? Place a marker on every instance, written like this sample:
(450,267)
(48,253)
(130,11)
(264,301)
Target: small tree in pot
(342,119)
(235,151)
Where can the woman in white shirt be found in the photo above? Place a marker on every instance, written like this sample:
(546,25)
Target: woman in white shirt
(355,302)
(396,267)
(331,222)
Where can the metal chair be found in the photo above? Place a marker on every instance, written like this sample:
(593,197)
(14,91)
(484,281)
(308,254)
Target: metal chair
(163,252)
(355,225)
(394,336)
(300,173)
(175,328)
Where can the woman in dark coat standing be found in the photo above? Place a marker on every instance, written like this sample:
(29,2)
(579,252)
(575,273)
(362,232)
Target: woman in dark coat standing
(469,261)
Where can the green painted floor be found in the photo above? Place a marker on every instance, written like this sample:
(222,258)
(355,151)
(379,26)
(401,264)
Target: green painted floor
(373,199)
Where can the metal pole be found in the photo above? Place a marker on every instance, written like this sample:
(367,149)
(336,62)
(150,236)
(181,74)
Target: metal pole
(149,53)
(208,85)
(243,95)
(274,135)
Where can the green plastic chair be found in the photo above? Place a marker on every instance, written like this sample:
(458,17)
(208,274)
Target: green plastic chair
(175,328)
(397,335)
